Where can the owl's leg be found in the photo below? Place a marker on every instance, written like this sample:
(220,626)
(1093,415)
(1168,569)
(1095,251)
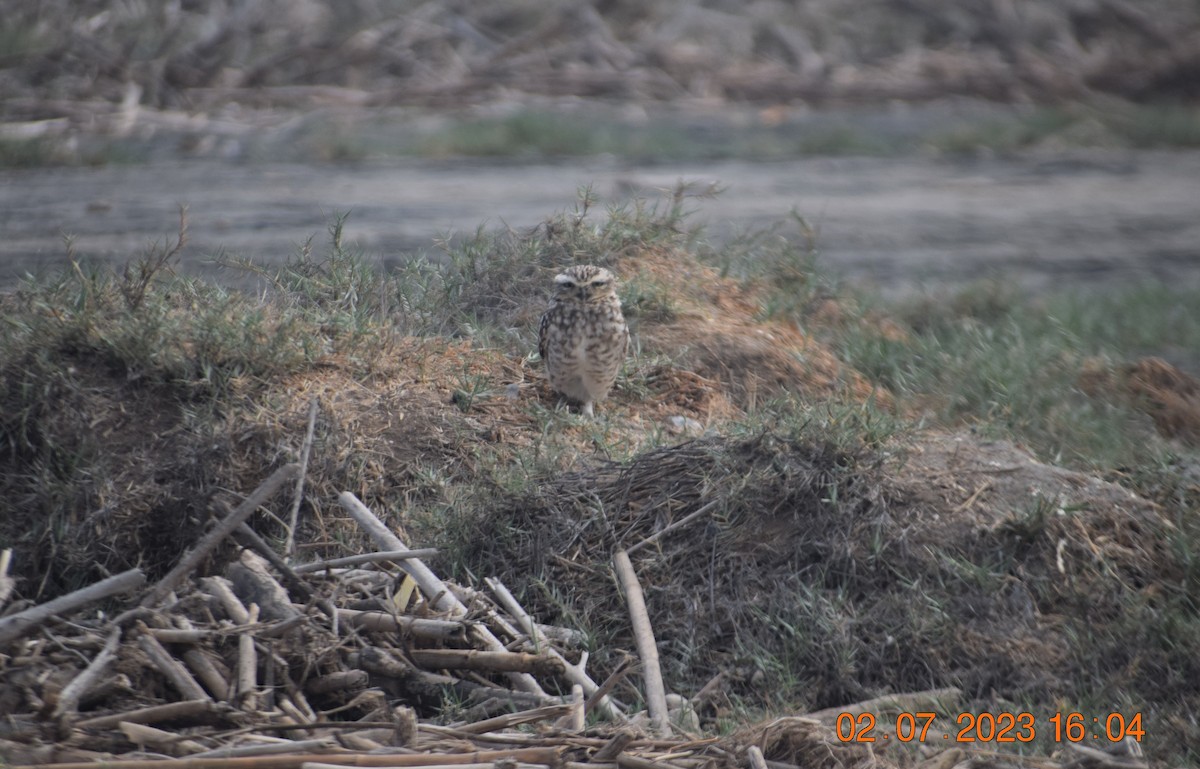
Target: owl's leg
(588,411)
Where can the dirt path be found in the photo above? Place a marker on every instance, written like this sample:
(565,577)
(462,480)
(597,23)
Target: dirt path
(1084,219)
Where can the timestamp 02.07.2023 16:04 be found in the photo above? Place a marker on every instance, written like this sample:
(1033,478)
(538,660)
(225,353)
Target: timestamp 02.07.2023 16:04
(989,727)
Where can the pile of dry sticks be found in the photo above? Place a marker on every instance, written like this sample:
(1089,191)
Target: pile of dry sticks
(329,664)
(280,665)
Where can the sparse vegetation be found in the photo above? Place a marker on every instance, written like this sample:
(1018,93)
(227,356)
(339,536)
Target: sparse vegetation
(846,553)
(376,79)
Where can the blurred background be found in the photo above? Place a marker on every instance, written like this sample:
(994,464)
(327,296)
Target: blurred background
(925,143)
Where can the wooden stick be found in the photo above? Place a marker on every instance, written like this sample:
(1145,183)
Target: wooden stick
(222,590)
(539,755)
(441,598)
(290,545)
(150,715)
(269,749)
(7,583)
(614,747)
(172,635)
(1100,759)
(354,560)
(643,636)
(509,720)
(650,540)
(247,669)
(757,759)
(204,669)
(491,765)
(627,761)
(23,622)
(338,681)
(576,720)
(473,659)
(573,673)
(72,693)
(174,671)
(610,683)
(168,742)
(218,533)
(404,728)
(417,627)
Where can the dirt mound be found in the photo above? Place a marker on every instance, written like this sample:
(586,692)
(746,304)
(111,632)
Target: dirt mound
(715,329)
(1169,396)
(818,554)
(793,556)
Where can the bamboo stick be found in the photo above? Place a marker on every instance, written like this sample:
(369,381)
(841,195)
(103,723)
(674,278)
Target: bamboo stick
(7,583)
(72,693)
(614,747)
(270,749)
(17,625)
(150,715)
(203,668)
(160,739)
(298,495)
(627,761)
(650,540)
(757,759)
(441,598)
(417,627)
(539,755)
(171,635)
(509,720)
(492,765)
(354,560)
(643,635)
(576,720)
(170,667)
(573,673)
(247,669)
(473,659)
(221,589)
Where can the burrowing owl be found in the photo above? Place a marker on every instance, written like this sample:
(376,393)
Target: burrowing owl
(583,338)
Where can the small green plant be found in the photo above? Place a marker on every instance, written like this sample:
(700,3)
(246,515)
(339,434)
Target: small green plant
(646,301)
(470,388)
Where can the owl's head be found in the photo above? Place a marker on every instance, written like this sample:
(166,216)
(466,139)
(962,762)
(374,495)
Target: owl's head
(585,283)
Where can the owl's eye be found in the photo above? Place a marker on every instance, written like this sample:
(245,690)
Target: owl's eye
(567,283)
(599,283)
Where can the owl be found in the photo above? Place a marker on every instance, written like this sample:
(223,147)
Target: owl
(582,337)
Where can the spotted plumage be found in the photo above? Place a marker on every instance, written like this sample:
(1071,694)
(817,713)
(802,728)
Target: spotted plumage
(582,338)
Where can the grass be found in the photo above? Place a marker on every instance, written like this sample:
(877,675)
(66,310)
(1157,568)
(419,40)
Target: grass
(542,133)
(129,399)
(1105,123)
(590,131)
(989,359)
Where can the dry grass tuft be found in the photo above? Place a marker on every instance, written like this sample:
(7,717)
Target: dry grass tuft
(1170,397)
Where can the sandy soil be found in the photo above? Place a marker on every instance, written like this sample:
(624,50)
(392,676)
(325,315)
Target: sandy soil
(1081,219)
